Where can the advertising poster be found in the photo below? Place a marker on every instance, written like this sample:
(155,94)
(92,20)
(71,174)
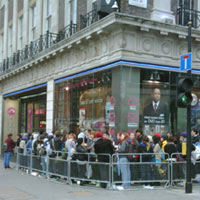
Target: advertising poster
(155,109)
(133,118)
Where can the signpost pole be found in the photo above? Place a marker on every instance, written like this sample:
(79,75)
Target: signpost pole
(188,186)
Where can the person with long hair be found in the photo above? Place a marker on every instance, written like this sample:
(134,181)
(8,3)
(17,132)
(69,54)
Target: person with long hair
(124,163)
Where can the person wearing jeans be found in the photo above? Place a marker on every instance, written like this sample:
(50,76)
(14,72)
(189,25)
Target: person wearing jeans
(123,161)
(125,171)
(7,154)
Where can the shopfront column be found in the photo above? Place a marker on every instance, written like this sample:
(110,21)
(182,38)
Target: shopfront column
(50,106)
(162,11)
(125,100)
(1,120)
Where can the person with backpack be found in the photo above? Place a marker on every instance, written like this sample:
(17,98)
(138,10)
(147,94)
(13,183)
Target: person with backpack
(9,145)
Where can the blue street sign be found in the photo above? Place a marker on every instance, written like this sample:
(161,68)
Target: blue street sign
(186,62)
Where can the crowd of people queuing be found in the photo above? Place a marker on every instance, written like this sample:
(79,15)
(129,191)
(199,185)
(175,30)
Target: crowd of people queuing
(127,146)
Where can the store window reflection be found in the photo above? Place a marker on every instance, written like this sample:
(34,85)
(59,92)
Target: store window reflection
(81,102)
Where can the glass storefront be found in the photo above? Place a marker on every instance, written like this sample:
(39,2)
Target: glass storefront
(123,99)
(33,114)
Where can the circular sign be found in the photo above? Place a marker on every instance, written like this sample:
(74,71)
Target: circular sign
(194,100)
(11,111)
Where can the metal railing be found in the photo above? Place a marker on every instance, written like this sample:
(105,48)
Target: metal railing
(46,41)
(88,19)
(108,172)
(183,14)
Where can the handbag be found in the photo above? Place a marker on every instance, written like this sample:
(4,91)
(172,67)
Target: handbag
(179,158)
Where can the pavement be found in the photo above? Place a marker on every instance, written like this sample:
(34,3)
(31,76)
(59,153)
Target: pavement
(17,186)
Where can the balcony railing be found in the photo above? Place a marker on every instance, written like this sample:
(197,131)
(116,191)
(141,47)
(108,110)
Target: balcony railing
(88,19)
(183,16)
(46,41)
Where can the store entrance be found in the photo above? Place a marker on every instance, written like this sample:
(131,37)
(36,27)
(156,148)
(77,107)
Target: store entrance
(33,114)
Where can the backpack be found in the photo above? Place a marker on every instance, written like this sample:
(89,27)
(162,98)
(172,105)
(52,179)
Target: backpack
(22,144)
(5,147)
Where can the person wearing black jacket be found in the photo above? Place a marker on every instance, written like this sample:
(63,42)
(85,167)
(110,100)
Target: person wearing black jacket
(103,146)
(56,146)
(81,157)
(146,151)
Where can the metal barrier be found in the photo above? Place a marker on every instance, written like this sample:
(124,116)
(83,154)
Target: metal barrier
(178,169)
(138,170)
(109,171)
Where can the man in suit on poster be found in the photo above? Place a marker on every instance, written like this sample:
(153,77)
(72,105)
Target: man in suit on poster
(156,113)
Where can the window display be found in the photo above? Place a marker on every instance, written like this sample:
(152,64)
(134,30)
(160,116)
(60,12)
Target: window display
(122,99)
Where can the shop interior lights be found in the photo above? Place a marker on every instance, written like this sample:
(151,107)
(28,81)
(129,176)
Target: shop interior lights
(155,76)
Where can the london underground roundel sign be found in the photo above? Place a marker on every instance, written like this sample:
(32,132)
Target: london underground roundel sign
(11,111)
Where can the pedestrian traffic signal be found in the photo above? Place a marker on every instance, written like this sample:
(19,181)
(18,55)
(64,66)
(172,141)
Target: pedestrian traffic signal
(184,96)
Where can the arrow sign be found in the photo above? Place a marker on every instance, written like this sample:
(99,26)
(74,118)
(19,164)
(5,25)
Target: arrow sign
(186,62)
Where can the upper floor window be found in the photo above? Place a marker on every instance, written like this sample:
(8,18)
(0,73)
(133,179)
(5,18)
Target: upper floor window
(33,22)
(73,11)
(185,14)
(49,7)
(1,47)
(49,14)
(20,32)
(10,36)
(33,12)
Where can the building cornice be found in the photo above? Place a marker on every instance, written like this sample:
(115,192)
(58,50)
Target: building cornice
(96,30)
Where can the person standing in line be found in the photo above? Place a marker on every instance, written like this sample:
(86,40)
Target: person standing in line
(124,162)
(7,154)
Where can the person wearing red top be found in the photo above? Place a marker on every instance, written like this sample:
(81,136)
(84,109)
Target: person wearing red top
(7,153)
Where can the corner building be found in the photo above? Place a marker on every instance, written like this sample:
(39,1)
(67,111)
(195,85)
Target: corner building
(69,64)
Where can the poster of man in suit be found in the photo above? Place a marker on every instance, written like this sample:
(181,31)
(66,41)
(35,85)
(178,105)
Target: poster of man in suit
(156,114)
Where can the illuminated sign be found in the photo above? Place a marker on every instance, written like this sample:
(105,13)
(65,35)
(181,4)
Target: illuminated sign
(139,3)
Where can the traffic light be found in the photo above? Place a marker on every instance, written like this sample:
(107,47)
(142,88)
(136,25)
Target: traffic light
(184,87)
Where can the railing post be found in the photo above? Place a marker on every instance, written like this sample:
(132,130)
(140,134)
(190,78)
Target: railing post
(26,52)
(47,166)
(40,43)
(71,26)
(31,162)
(4,64)
(31,49)
(17,163)
(47,39)
(18,54)
(7,63)
(14,58)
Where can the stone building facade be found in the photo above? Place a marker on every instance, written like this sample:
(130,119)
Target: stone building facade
(58,75)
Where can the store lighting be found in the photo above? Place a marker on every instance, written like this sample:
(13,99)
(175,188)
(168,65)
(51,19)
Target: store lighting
(67,88)
(151,77)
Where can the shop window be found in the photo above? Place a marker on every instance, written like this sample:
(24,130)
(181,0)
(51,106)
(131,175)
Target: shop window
(155,101)
(81,102)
